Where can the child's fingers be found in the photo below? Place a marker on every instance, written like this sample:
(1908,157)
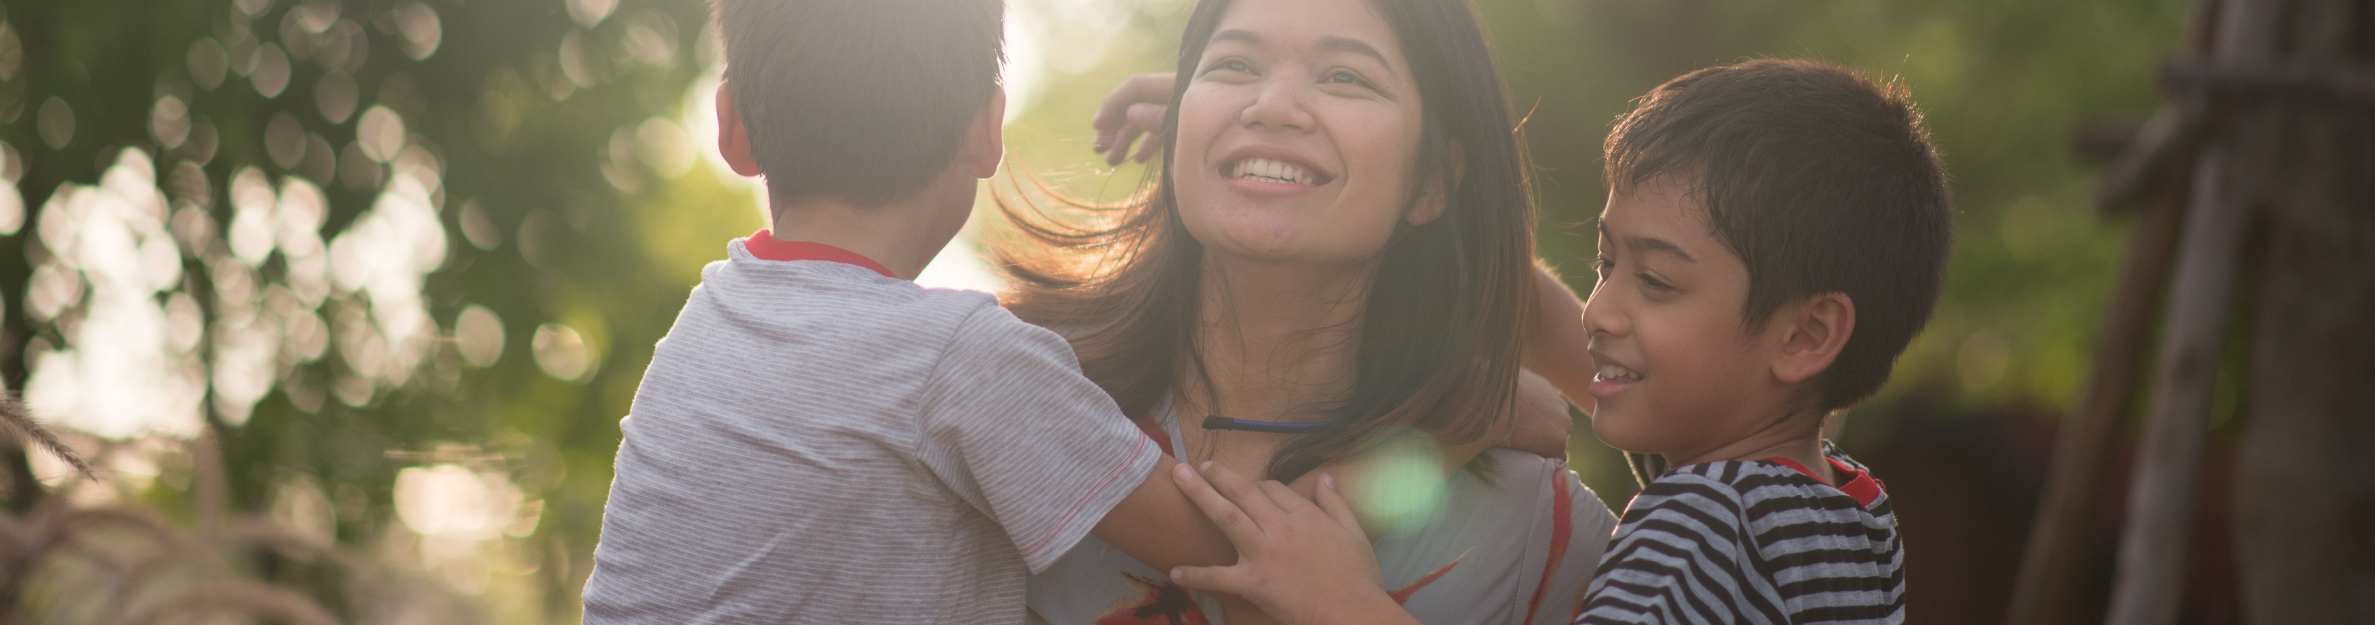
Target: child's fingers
(1334,504)
(1141,119)
(1147,118)
(1114,112)
(1225,579)
(1233,524)
(1244,493)
(1285,498)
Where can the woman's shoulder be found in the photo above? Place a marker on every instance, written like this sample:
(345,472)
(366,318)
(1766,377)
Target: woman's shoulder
(1517,540)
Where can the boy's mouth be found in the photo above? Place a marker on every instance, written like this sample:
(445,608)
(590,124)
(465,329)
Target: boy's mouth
(1610,380)
(1266,170)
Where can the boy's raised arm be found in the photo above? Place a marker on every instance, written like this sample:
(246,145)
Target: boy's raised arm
(1559,348)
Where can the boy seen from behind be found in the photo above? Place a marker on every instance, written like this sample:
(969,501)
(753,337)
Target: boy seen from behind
(818,439)
(1775,234)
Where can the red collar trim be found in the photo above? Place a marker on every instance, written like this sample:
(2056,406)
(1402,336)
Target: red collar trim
(1860,485)
(767,247)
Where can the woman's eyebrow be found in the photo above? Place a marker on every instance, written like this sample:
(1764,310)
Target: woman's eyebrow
(1236,34)
(1357,46)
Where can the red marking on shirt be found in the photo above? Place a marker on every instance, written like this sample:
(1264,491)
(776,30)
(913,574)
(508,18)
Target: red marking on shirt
(1860,485)
(1154,432)
(1562,528)
(1095,490)
(1403,595)
(765,246)
(1159,602)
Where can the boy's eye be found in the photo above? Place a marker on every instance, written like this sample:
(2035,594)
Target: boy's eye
(1234,65)
(1341,76)
(1603,266)
(1653,282)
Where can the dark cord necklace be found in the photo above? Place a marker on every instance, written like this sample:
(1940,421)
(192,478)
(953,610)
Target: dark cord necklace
(1217,422)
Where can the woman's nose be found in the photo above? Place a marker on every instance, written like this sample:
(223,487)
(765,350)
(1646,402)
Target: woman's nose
(1279,106)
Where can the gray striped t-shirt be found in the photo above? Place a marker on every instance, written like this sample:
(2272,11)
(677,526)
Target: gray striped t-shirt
(818,443)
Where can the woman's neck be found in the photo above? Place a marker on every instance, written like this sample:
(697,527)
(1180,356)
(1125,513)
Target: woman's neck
(1276,341)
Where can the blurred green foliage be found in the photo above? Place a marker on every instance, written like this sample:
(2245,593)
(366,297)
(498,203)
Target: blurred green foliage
(565,134)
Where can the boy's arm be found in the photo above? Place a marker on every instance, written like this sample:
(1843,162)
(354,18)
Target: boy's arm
(1300,563)
(1159,526)
(1559,346)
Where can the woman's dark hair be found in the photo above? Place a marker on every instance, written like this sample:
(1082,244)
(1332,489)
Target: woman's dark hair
(1439,344)
(1820,180)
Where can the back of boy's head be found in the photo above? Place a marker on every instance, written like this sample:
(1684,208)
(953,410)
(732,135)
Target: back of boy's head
(861,101)
(1819,180)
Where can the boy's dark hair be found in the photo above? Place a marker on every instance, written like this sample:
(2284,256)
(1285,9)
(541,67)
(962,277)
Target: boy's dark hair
(861,101)
(1820,180)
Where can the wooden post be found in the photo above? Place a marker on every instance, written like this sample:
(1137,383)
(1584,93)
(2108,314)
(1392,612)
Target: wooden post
(2161,494)
(2063,532)
(2304,510)
(2152,550)
(2154,170)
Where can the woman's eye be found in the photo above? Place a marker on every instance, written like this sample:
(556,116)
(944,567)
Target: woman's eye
(1345,78)
(1603,266)
(1235,65)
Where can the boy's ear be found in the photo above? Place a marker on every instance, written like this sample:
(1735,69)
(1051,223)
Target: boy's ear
(985,140)
(1813,331)
(1432,197)
(733,141)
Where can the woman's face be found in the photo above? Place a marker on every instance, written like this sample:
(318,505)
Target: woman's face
(1297,134)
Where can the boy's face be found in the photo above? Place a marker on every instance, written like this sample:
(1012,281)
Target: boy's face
(1678,372)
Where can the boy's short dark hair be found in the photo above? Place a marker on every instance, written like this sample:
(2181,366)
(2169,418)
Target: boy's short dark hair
(1820,180)
(861,101)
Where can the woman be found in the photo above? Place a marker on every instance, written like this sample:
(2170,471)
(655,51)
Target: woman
(1335,256)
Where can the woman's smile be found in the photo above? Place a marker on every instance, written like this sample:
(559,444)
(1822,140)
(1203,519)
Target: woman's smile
(1272,171)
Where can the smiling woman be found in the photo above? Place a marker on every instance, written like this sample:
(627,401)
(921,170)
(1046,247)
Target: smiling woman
(1339,238)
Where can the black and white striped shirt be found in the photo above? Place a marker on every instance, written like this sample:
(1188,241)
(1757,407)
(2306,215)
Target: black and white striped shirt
(1753,542)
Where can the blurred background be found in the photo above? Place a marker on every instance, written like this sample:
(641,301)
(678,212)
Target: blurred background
(347,297)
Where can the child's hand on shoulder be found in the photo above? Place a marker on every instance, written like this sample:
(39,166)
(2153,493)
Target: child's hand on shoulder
(1299,562)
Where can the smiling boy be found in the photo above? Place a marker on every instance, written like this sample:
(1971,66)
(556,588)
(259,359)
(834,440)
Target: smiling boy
(1775,234)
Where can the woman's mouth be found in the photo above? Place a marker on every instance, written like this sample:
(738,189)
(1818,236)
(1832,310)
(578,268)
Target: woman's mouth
(1279,172)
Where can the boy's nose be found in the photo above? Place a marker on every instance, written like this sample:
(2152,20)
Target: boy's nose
(1604,316)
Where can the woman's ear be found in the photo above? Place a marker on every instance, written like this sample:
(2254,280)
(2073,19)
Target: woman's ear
(1812,331)
(1434,197)
(732,140)
(985,140)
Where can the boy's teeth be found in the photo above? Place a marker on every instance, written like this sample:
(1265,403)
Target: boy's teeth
(1612,373)
(1270,171)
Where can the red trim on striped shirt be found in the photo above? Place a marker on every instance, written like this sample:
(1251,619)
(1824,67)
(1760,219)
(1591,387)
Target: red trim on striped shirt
(1860,485)
(765,246)
(1562,527)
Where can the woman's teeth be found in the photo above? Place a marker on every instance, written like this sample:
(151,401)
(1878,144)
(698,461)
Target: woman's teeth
(1267,170)
(1612,373)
